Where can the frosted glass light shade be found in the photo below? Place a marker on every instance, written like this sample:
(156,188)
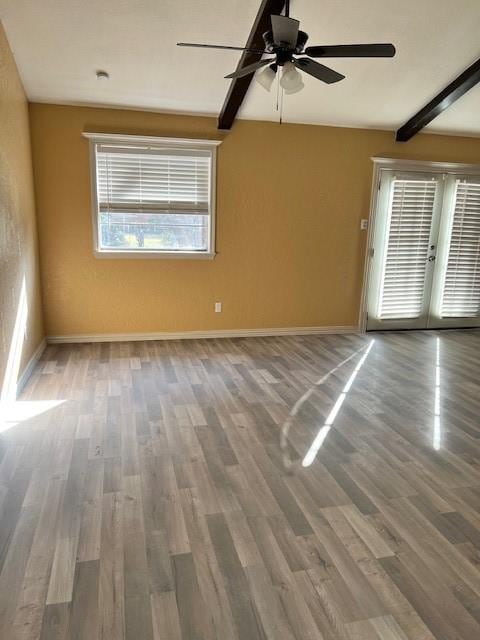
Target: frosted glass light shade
(291,80)
(265,78)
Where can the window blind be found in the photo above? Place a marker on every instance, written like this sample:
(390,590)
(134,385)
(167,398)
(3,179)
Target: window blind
(153,180)
(411,210)
(461,292)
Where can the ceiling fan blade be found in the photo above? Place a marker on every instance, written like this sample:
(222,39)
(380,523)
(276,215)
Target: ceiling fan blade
(317,70)
(352,51)
(250,68)
(285,30)
(218,46)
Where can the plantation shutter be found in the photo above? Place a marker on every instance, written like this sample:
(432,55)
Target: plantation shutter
(461,292)
(149,180)
(410,219)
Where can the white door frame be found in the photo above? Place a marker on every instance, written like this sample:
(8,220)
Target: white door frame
(394,164)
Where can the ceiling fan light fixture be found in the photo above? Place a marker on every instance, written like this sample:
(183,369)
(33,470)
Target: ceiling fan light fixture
(266,77)
(291,80)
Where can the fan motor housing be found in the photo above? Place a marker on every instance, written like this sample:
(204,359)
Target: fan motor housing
(278,48)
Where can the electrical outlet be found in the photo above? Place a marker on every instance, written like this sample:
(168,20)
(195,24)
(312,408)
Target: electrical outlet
(364,224)
(218,307)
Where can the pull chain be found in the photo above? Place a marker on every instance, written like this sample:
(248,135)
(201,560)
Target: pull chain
(287,14)
(281,106)
(278,89)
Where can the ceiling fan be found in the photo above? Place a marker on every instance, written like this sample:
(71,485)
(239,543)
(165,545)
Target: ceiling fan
(285,42)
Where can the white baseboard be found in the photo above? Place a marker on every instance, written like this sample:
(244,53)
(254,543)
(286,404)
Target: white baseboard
(27,372)
(191,335)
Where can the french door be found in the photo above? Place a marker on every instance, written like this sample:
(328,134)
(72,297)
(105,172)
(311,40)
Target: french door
(425,252)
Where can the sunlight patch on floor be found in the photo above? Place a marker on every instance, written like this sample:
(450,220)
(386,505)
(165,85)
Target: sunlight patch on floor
(13,413)
(323,432)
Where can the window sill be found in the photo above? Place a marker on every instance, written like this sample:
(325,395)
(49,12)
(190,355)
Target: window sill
(161,255)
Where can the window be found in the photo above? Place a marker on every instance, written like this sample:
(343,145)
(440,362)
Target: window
(153,196)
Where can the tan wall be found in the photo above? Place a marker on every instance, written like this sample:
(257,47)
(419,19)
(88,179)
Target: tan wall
(18,236)
(290,250)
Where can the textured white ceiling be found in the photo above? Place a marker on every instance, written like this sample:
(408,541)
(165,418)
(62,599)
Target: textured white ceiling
(59,44)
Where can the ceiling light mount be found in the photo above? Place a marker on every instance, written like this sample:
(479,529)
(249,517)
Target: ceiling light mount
(285,50)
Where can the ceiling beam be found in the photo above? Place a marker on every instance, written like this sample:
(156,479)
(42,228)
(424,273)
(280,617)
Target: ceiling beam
(455,90)
(239,86)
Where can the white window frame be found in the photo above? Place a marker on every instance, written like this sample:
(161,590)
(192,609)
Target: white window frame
(152,142)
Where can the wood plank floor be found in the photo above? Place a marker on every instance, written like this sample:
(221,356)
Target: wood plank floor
(153,501)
